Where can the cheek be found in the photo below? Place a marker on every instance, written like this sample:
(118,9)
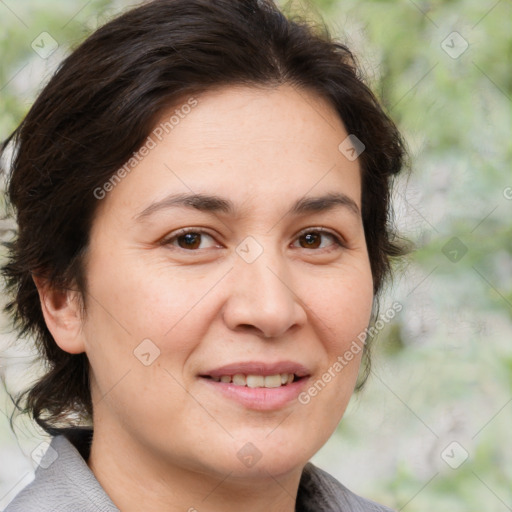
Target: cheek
(136,317)
(131,311)
(344,305)
(145,301)
(342,311)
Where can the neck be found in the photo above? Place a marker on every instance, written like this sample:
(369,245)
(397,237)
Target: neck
(137,479)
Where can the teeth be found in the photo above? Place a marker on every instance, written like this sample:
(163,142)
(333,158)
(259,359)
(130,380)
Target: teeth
(257,381)
(273,381)
(239,379)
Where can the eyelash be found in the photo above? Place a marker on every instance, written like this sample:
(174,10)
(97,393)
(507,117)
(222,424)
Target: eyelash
(338,241)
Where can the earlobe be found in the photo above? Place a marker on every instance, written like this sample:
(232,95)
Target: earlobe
(62,314)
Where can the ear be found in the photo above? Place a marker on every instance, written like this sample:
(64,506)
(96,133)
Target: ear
(61,311)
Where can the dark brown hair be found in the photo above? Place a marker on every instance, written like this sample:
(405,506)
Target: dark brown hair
(101,105)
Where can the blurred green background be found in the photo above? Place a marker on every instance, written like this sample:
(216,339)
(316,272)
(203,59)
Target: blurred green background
(432,429)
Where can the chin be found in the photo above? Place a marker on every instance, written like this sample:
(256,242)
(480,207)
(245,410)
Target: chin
(267,468)
(272,455)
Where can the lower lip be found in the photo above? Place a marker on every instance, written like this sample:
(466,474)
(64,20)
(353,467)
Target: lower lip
(261,399)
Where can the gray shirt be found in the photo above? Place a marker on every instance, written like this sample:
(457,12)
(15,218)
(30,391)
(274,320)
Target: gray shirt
(63,482)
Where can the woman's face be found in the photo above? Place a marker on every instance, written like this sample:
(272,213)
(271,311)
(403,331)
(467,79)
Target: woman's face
(259,286)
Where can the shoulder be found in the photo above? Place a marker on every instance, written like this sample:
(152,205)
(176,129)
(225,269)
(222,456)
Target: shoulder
(321,492)
(62,482)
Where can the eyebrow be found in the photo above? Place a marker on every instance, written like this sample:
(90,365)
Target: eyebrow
(217,204)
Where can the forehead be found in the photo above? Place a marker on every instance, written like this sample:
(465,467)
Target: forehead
(297,120)
(245,142)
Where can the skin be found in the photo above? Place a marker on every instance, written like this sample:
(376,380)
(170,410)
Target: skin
(164,440)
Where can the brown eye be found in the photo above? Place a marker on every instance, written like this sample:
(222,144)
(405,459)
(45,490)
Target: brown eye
(311,240)
(314,239)
(188,240)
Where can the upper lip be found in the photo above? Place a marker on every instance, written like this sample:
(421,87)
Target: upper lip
(258,368)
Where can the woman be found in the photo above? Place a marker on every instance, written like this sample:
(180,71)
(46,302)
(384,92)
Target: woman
(202,195)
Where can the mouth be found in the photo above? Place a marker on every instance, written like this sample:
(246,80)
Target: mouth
(256,381)
(258,385)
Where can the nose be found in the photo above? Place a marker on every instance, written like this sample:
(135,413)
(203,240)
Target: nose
(262,298)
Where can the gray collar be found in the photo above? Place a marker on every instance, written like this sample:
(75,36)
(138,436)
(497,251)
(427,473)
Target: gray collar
(63,482)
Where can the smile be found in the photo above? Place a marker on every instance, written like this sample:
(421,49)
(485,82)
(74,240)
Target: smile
(258,385)
(257,381)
